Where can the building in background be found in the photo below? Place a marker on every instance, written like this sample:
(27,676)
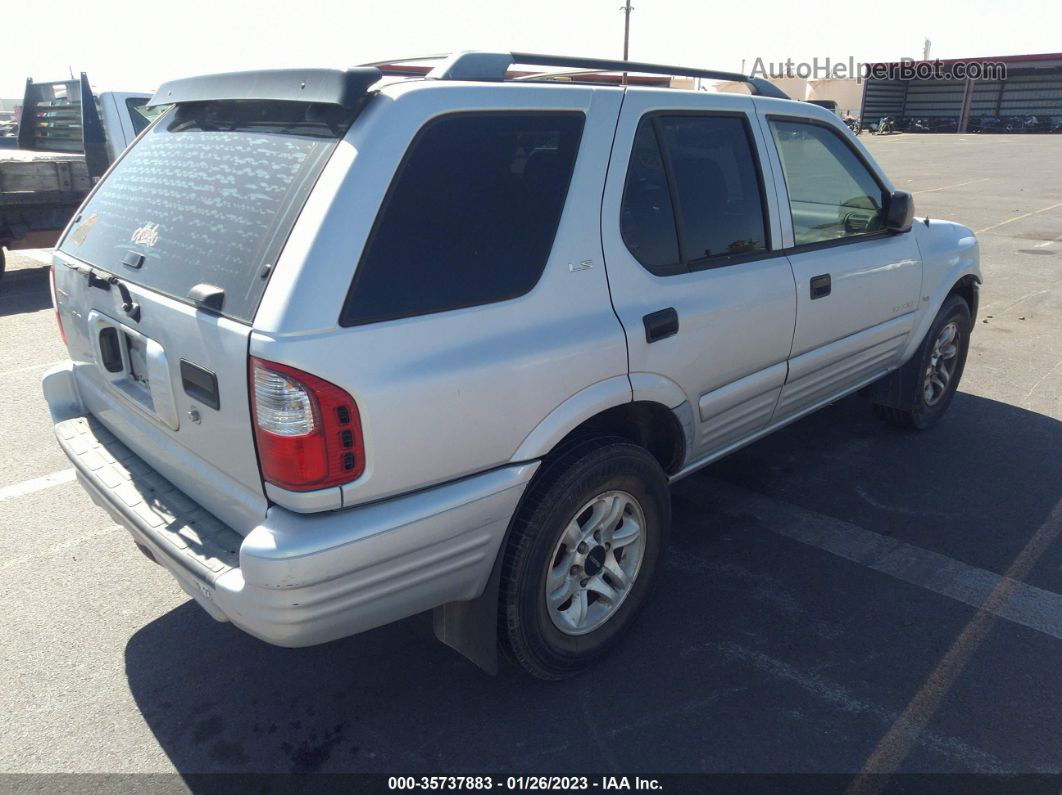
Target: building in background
(848,94)
(1028,100)
(794,87)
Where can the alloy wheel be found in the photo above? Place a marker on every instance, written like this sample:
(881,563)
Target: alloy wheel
(595,563)
(941,365)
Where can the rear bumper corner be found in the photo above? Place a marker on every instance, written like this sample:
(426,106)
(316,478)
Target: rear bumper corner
(300,579)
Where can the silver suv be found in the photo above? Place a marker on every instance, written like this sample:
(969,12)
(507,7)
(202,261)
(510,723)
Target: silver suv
(349,346)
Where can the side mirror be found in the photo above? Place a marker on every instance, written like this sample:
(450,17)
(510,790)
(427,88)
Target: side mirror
(899,212)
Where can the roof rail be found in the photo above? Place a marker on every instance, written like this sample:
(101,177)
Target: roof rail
(436,57)
(494,65)
(473,65)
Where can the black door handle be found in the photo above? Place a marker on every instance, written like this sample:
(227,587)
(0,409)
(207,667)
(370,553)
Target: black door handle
(660,325)
(820,286)
(200,384)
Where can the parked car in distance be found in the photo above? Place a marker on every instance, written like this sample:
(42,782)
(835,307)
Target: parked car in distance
(67,138)
(8,133)
(349,346)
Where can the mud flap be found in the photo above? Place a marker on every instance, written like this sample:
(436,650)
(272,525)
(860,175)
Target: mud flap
(471,628)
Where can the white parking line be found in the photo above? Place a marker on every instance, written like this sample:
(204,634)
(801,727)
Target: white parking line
(36,484)
(41,255)
(946,187)
(1027,605)
(1017,218)
(815,683)
(61,547)
(893,749)
(26,369)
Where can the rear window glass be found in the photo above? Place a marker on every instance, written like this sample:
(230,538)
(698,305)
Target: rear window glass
(470,217)
(208,195)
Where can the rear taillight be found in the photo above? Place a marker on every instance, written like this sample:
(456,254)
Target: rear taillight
(55,302)
(308,430)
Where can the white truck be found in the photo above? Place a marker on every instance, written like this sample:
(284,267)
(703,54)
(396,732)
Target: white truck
(67,138)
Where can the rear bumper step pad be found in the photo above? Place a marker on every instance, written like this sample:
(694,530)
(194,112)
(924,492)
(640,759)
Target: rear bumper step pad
(135,494)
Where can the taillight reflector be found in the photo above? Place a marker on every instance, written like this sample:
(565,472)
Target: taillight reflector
(308,430)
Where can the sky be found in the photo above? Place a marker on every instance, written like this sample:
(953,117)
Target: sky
(135,46)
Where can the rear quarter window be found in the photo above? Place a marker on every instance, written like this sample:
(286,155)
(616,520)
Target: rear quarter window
(470,216)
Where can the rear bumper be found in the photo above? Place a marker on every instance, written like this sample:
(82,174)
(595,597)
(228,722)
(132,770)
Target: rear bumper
(298,579)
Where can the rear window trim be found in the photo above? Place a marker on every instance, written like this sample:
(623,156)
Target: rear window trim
(345,319)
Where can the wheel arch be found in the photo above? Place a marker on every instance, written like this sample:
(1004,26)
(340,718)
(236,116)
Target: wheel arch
(471,628)
(968,288)
(609,408)
(964,281)
(645,423)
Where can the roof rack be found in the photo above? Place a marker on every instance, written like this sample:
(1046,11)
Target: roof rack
(346,88)
(494,66)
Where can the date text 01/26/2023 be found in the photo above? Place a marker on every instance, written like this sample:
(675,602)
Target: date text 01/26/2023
(523,783)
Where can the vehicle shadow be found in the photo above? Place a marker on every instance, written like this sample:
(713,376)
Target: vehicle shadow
(24,290)
(689,689)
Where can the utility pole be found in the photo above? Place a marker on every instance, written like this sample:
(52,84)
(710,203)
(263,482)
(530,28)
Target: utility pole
(626,9)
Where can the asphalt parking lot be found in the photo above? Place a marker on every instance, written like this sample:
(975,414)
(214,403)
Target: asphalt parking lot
(839,597)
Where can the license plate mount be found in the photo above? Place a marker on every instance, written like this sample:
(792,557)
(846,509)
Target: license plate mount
(138,370)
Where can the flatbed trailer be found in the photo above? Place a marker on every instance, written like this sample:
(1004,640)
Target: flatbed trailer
(68,137)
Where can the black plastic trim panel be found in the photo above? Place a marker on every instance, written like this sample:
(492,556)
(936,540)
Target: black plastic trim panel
(322,86)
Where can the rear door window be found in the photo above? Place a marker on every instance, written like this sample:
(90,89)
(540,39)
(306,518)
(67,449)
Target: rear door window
(208,195)
(717,185)
(470,217)
(694,194)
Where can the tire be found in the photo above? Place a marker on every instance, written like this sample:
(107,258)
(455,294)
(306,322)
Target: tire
(919,407)
(551,642)
(3,261)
